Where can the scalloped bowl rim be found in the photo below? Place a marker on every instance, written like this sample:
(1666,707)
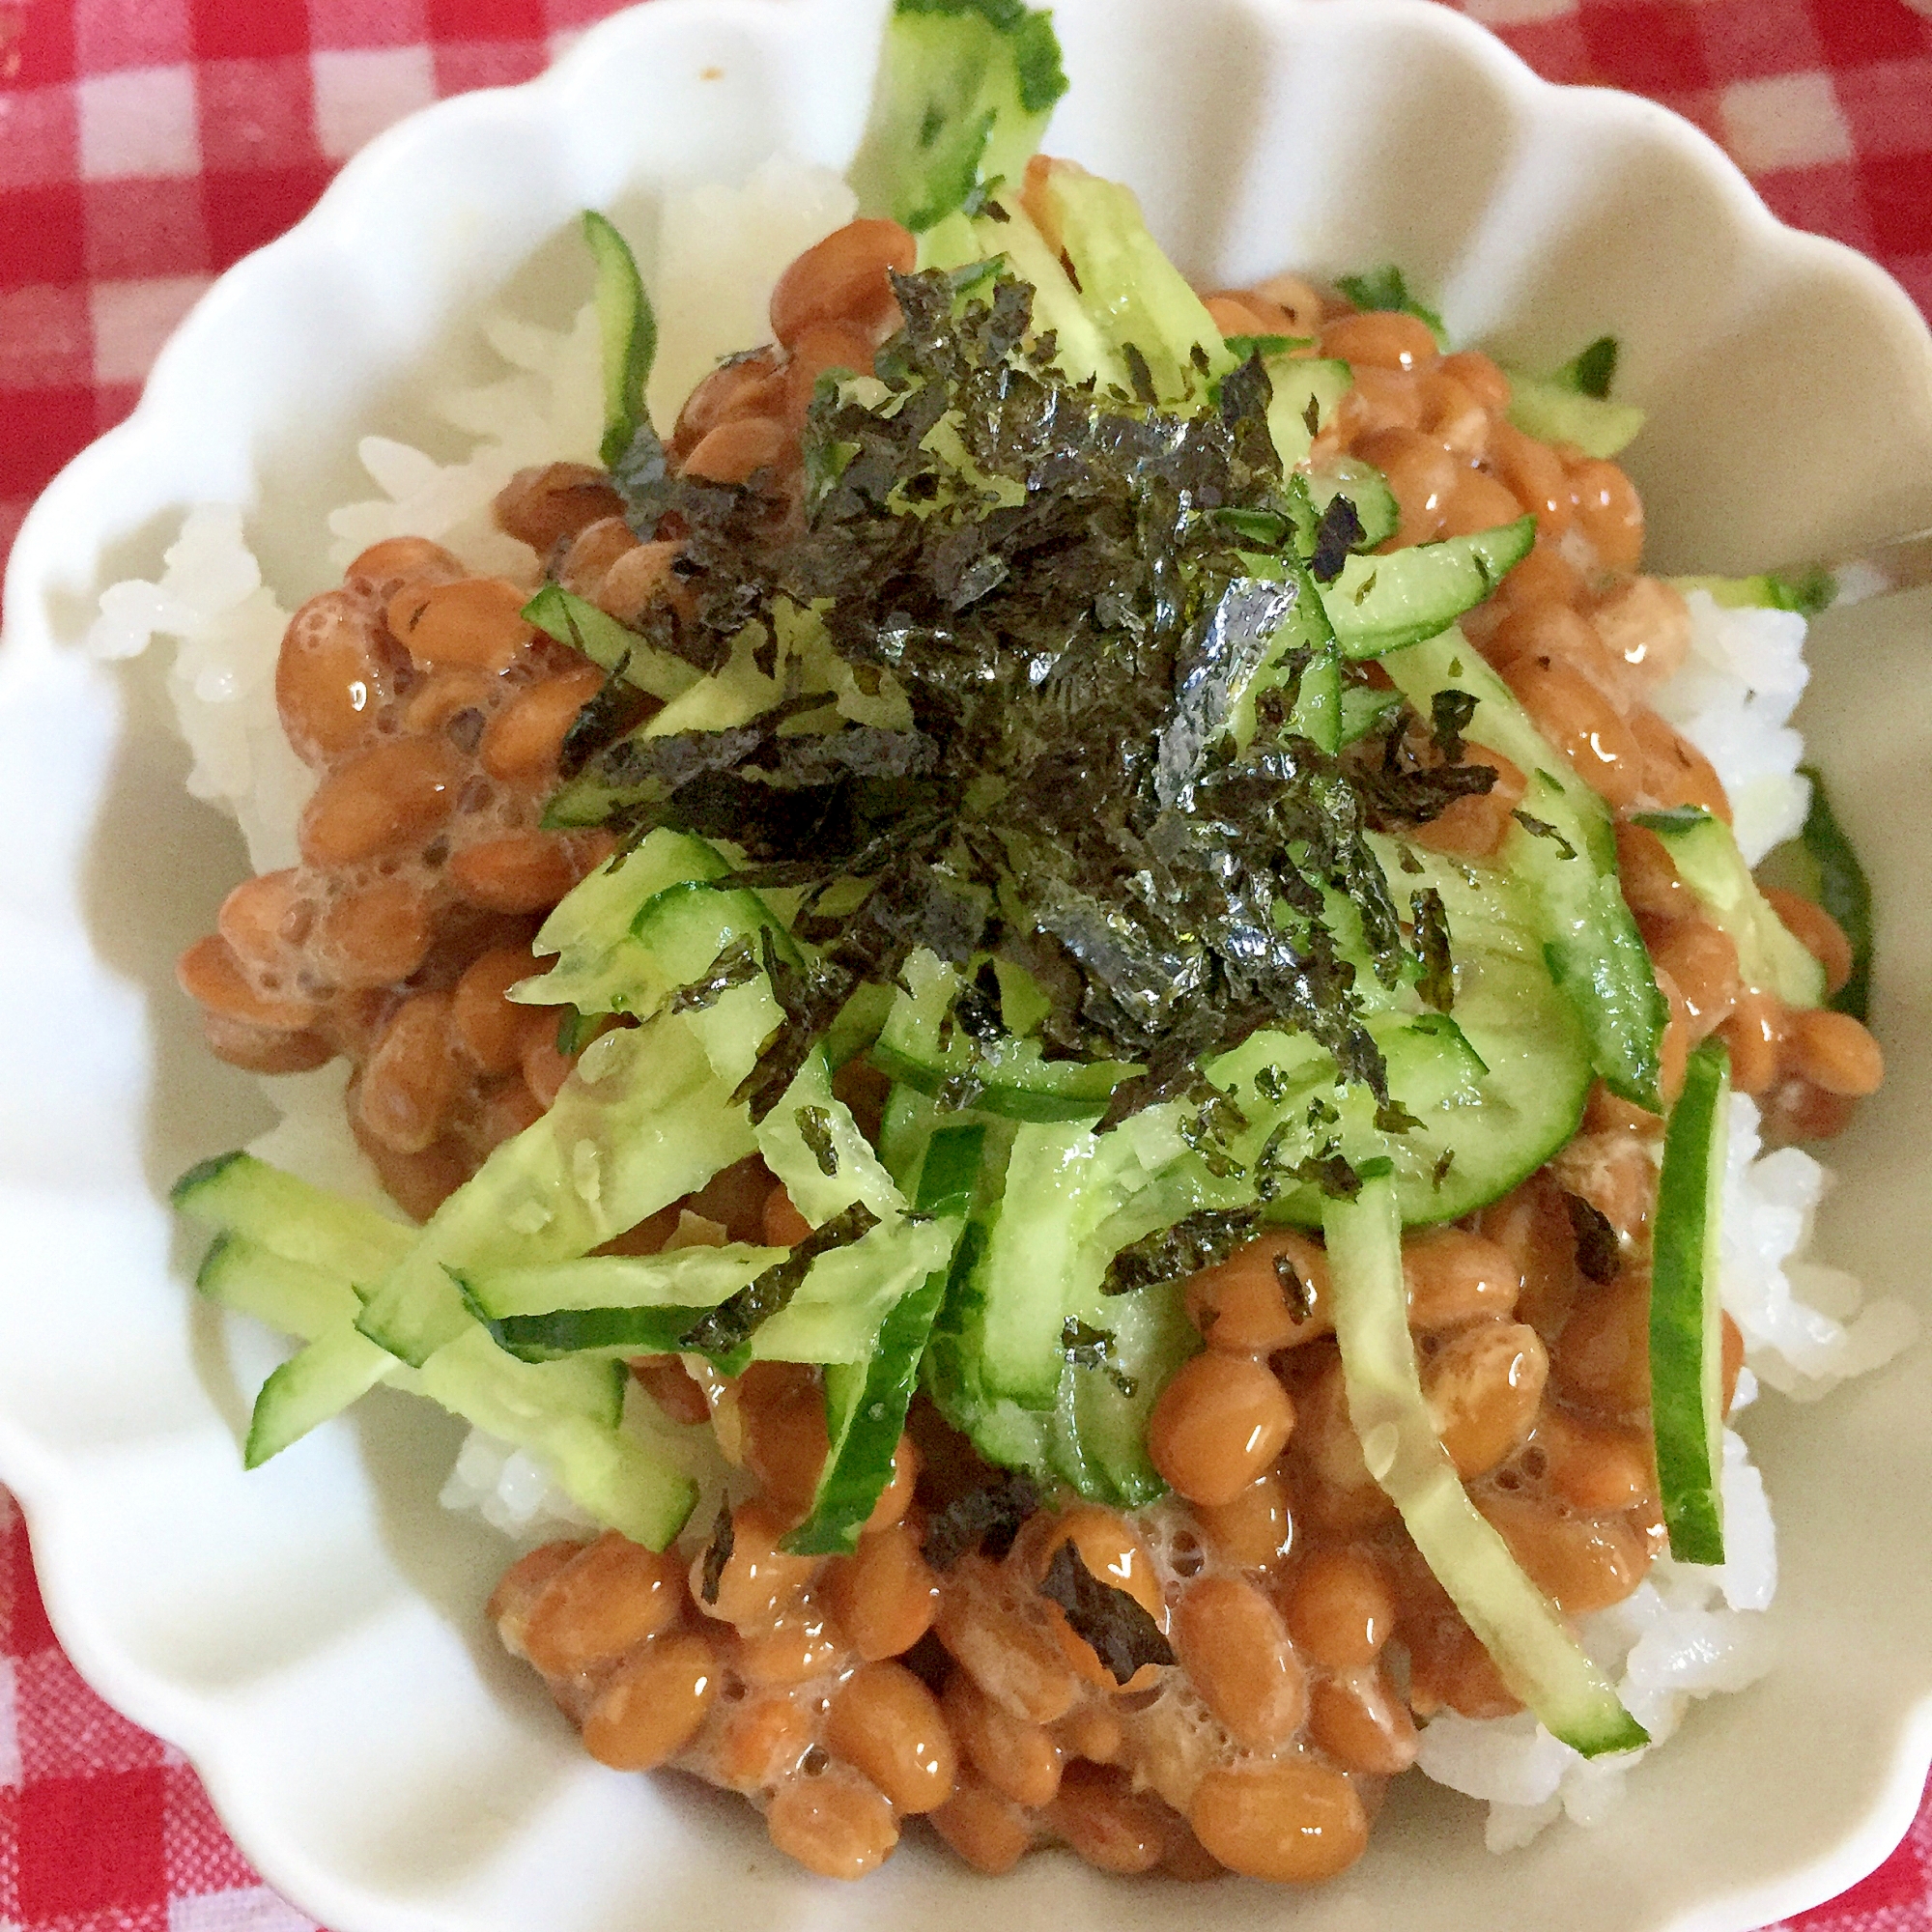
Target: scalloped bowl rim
(47,1483)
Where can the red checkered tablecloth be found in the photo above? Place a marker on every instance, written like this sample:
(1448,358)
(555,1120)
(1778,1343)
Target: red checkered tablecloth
(146,144)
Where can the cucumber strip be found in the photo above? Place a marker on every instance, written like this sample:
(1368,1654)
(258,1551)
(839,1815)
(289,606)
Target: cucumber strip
(684,1277)
(1365,487)
(240,1195)
(1706,855)
(670,942)
(1554,411)
(614,646)
(1380,604)
(865,1403)
(1099,1438)
(649,1118)
(317,1381)
(920,1047)
(628,333)
(836,1311)
(1842,889)
(961,97)
(1810,594)
(297,1297)
(1496,1087)
(568,1415)
(1306,633)
(1365,709)
(1594,950)
(1304,384)
(824,1178)
(602,966)
(614,1333)
(1687,1373)
(1532,1647)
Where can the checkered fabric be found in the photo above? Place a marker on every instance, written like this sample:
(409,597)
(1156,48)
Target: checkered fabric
(146,144)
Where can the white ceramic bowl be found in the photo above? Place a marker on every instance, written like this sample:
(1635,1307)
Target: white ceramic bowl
(311,1635)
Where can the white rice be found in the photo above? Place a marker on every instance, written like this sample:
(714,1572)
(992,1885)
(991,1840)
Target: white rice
(1687,1632)
(1733,699)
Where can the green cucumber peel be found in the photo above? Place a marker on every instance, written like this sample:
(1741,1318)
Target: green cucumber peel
(1386,288)
(1382,604)
(1810,594)
(1822,865)
(1687,1394)
(1590,940)
(1705,852)
(614,647)
(865,1403)
(627,330)
(1532,1648)
(1573,405)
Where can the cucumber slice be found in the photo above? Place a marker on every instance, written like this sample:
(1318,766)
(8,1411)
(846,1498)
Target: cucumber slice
(1531,1646)
(920,1047)
(682,1278)
(1304,385)
(1595,953)
(602,966)
(1380,604)
(240,1195)
(1099,1438)
(1687,1375)
(650,1118)
(1364,710)
(568,1414)
(605,643)
(1822,865)
(835,1167)
(629,333)
(865,1403)
(1708,861)
(1807,595)
(317,1381)
(1318,707)
(1366,487)
(295,1296)
(1497,1086)
(1553,411)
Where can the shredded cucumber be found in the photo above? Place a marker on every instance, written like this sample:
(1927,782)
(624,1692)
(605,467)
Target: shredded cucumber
(1687,1396)
(1531,1646)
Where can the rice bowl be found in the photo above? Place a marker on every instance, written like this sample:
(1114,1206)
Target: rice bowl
(1276,254)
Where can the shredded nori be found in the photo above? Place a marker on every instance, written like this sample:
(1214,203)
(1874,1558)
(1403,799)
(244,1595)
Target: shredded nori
(1539,827)
(1089,1348)
(717,1552)
(815,1129)
(1437,986)
(1173,1253)
(1599,1253)
(1297,1292)
(985,1519)
(1123,1635)
(1450,712)
(739,1316)
(1071,588)
(737,965)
